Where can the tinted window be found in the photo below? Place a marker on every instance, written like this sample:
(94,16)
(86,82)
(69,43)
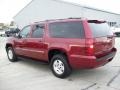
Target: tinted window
(100,29)
(38,32)
(66,30)
(25,32)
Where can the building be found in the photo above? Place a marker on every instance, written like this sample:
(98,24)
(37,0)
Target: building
(39,10)
(1,26)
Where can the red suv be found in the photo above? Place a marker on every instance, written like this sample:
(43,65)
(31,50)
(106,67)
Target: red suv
(65,43)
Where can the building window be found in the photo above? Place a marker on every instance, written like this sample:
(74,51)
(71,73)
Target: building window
(112,24)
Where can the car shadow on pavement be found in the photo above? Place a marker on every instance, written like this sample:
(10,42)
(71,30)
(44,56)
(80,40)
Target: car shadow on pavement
(34,65)
(76,74)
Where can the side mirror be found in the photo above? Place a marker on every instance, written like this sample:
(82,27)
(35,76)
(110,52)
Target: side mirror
(17,30)
(18,36)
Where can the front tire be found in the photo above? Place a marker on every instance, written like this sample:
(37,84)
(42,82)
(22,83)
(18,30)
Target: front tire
(11,54)
(60,66)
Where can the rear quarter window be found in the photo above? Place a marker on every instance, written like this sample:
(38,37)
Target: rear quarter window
(66,29)
(100,29)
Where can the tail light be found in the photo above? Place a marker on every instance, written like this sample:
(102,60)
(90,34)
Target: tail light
(89,48)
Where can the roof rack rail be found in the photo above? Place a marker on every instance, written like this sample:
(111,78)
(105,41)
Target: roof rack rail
(54,19)
(60,19)
(75,18)
(65,18)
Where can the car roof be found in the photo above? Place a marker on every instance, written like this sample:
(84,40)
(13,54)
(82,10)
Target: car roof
(67,19)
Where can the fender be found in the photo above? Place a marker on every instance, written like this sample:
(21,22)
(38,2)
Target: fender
(10,41)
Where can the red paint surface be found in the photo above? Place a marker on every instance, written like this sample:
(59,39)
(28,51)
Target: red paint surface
(81,53)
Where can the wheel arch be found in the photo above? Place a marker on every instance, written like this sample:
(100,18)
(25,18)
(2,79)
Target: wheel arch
(55,51)
(8,45)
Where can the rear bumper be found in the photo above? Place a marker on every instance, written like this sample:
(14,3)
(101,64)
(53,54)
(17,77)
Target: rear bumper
(84,62)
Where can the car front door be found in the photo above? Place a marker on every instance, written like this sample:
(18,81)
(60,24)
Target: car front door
(20,42)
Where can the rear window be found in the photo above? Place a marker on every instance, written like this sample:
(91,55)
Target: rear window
(100,29)
(66,29)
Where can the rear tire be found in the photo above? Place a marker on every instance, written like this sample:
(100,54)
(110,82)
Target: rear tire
(60,66)
(11,54)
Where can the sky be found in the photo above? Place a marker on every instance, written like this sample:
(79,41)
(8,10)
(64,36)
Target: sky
(9,8)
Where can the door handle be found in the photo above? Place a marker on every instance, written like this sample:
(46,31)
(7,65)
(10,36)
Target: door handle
(40,41)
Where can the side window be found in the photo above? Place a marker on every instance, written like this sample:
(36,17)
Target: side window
(72,29)
(25,32)
(38,32)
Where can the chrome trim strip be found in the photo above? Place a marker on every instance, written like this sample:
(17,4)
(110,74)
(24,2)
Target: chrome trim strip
(31,50)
